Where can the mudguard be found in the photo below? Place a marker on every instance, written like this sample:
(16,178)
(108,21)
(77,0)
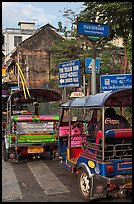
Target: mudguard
(98,183)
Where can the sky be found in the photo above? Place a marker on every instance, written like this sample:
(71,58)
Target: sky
(40,13)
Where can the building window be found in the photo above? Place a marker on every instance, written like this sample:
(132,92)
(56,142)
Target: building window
(17,40)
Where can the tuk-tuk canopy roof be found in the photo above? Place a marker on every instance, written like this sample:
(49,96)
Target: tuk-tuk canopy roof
(110,98)
(37,95)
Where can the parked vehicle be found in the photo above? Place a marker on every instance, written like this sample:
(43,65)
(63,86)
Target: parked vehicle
(102,157)
(4,112)
(29,131)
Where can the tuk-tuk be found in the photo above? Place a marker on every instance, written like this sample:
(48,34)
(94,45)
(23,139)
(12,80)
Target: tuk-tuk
(4,113)
(29,131)
(100,155)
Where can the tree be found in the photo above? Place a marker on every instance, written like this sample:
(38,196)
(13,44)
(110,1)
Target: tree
(80,47)
(129,49)
(69,14)
(67,50)
(118,15)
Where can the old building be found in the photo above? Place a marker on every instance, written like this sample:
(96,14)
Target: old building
(13,36)
(34,56)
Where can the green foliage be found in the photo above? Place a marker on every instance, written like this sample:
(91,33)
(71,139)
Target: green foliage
(66,50)
(62,29)
(129,48)
(105,68)
(118,15)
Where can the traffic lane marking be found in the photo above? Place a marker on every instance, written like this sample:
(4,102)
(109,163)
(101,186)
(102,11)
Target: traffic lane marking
(46,179)
(10,185)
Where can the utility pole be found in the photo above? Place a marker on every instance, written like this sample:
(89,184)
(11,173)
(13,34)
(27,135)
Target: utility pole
(84,85)
(93,77)
(98,30)
(93,39)
(64,94)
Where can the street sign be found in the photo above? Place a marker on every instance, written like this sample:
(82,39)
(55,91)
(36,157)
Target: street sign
(93,38)
(96,29)
(115,82)
(69,74)
(88,65)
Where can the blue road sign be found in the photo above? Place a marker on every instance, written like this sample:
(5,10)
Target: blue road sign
(115,82)
(69,74)
(88,65)
(96,29)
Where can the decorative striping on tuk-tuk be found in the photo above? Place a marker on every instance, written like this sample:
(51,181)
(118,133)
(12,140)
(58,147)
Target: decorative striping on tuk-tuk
(103,159)
(30,132)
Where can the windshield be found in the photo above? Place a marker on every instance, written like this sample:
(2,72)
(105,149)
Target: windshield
(77,114)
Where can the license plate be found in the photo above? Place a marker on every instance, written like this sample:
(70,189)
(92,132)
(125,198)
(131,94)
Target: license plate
(35,149)
(128,184)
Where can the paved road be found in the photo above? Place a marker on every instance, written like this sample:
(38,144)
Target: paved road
(40,180)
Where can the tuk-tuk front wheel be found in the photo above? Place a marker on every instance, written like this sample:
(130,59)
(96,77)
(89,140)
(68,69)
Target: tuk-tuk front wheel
(84,183)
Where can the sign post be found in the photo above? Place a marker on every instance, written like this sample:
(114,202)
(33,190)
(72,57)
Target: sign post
(64,94)
(93,77)
(94,32)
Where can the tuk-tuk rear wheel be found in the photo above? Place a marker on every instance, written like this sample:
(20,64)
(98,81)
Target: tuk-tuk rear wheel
(84,183)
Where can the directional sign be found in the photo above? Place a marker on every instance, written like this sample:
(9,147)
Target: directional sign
(96,29)
(88,65)
(93,38)
(115,82)
(69,74)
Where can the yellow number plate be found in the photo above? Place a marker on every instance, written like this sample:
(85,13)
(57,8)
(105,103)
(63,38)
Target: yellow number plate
(33,149)
(128,185)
